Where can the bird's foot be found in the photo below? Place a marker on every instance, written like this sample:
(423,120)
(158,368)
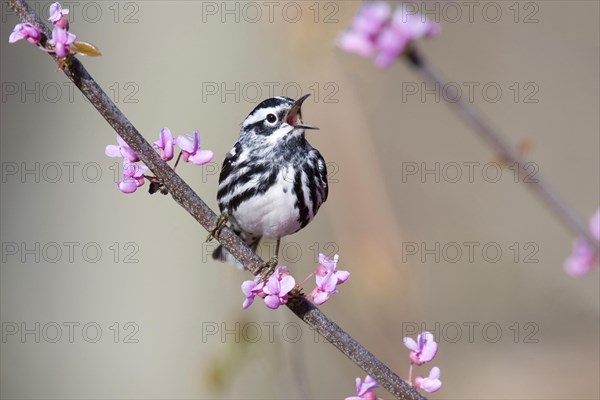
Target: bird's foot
(267,269)
(221,222)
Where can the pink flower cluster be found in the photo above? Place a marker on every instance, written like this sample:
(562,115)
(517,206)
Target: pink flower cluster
(376,31)
(133,174)
(422,351)
(584,255)
(62,43)
(61,37)
(327,278)
(275,290)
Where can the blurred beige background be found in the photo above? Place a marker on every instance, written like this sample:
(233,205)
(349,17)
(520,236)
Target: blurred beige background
(166,321)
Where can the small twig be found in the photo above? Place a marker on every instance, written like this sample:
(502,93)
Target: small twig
(500,145)
(189,200)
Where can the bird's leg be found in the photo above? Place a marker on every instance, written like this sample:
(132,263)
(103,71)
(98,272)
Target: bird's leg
(270,266)
(219,224)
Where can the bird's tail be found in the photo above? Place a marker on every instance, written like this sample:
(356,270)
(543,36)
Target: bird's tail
(223,255)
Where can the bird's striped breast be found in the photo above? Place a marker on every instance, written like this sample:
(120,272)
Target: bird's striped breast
(269,197)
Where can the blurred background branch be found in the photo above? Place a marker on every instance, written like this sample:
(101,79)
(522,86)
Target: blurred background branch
(507,153)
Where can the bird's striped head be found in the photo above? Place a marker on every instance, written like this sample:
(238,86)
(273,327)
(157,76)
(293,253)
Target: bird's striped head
(275,119)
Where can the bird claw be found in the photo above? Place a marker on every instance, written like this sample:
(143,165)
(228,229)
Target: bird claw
(268,268)
(219,224)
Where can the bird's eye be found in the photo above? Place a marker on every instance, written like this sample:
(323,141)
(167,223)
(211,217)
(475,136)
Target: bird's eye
(271,118)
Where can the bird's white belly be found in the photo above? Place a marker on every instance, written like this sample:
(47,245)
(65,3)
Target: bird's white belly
(272,214)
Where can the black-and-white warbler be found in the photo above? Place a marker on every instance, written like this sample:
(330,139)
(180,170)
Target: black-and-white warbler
(273,181)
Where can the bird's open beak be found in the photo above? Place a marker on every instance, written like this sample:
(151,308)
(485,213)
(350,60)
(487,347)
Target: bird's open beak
(294,116)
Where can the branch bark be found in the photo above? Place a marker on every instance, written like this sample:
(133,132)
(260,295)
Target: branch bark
(193,204)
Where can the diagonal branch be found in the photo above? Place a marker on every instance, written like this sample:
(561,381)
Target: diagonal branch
(193,204)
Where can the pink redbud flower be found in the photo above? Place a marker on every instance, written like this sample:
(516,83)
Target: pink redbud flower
(190,146)
(365,27)
(61,40)
(327,278)
(325,288)
(165,144)
(133,177)
(403,28)
(25,31)
(57,15)
(57,12)
(251,289)
(584,256)
(329,265)
(371,17)
(121,150)
(582,259)
(431,383)
(364,390)
(423,350)
(413,26)
(279,284)
(356,43)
